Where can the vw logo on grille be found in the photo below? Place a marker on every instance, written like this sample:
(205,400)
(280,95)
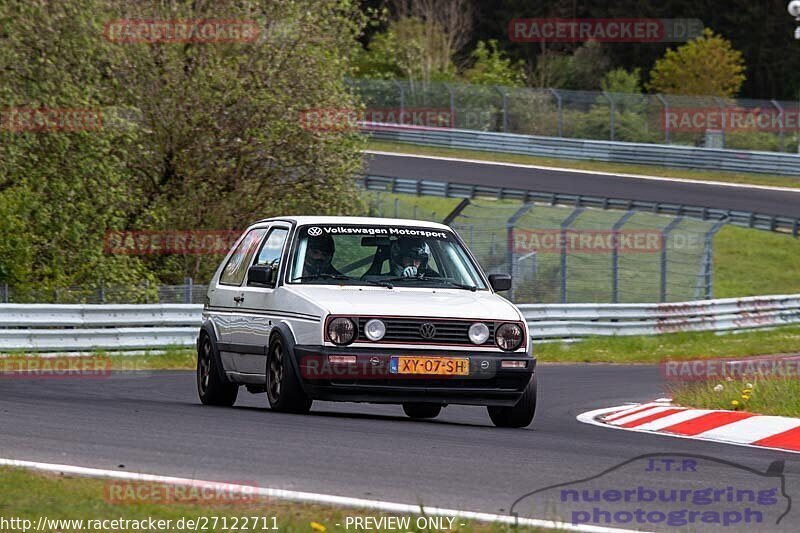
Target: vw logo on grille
(315,231)
(427,330)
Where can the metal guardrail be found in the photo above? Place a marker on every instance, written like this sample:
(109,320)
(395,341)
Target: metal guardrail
(614,152)
(572,321)
(460,190)
(75,327)
(64,328)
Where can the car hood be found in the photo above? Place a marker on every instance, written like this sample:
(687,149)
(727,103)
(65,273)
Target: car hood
(380,301)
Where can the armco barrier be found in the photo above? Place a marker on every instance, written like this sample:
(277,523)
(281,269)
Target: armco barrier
(461,190)
(615,152)
(64,328)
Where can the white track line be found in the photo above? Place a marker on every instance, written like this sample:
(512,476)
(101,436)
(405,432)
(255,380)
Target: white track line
(310,497)
(591,418)
(593,172)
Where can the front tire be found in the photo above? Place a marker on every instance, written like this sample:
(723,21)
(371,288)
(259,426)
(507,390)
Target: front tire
(284,392)
(520,415)
(422,410)
(211,387)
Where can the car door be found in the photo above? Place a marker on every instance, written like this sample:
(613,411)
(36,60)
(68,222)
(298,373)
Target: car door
(262,302)
(228,296)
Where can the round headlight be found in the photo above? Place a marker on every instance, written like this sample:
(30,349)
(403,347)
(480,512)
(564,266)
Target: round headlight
(508,336)
(478,333)
(375,329)
(341,331)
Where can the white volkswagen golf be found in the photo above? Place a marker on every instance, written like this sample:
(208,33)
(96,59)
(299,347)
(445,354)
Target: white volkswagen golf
(363,310)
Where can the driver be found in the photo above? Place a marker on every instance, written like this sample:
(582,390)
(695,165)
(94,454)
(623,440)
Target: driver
(408,258)
(319,253)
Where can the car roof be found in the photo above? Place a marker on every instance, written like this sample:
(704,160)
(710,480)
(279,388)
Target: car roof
(373,221)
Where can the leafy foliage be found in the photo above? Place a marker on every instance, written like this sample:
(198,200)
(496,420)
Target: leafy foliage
(707,65)
(195,135)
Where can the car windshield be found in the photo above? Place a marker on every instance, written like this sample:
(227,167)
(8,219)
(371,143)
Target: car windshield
(405,256)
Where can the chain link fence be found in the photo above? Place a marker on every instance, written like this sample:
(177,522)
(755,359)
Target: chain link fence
(555,254)
(573,255)
(742,124)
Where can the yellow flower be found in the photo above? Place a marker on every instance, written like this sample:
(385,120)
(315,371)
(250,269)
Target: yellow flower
(747,391)
(735,403)
(316,526)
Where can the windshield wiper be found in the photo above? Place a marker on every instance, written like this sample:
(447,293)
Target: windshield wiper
(344,278)
(449,281)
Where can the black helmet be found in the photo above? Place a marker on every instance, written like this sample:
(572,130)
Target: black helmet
(415,249)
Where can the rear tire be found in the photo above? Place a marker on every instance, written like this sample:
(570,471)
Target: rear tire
(284,392)
(422,410)
(520,415)
(211,387)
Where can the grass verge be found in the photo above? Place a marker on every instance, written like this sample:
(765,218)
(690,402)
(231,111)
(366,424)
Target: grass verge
(647,170)
(681,346)
(766,396)
(28,495)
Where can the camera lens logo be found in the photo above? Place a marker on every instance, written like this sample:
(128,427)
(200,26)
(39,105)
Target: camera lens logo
(315,231)
(427,330)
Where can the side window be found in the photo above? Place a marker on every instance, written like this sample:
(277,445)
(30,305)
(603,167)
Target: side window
(234,271)
(270,254)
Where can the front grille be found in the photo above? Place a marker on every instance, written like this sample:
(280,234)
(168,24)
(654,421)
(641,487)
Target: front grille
(407,330)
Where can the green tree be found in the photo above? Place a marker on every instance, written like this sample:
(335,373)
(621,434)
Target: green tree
(707,65)
(493,67)
(411,49)
(213,139)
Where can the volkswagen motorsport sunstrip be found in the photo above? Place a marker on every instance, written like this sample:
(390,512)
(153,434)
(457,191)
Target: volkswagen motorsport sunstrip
(363,310)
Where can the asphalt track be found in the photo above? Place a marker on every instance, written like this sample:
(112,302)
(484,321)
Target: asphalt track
(153,423)
(764,201)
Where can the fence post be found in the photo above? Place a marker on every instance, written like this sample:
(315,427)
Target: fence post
(397,208)
(664,236)
(708,278)
(559,103)
(781,118)
(613,112)
(452,104)
(504,93)
(402,100)
(722,105)
(187,290)
(563,244)
(5,293)
(615,255)
(665,117)
(102,292)
(510,225)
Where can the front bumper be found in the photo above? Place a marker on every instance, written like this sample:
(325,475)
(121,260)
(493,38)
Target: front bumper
(370,379)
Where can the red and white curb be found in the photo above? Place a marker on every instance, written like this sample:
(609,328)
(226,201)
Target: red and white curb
(729,427)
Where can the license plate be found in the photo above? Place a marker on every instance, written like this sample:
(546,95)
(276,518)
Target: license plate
(437,366)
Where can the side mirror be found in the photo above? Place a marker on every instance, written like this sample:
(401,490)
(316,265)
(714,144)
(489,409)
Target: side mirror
(261,275)
(500,282)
